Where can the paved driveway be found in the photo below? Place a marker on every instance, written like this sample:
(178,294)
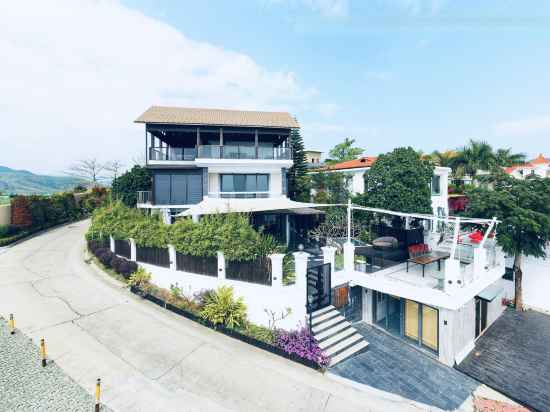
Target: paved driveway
(513,356)
(393,366)
(149,359)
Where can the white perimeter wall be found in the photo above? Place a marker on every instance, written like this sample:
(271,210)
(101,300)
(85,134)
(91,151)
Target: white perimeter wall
(536,283)
(256,297)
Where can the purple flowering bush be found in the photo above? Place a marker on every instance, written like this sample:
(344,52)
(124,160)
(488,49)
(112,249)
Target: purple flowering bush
(301,343)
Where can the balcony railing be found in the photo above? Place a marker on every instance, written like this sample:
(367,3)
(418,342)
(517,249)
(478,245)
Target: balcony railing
(244,152)
(144,197)
(238,195)
(172,153)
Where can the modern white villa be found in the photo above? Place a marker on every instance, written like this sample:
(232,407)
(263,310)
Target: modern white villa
(205,161)
(355,171)
(540,166)
(432,280)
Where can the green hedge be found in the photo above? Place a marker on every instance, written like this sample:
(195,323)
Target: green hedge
(230,233)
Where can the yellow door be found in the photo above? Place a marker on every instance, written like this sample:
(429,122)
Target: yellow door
(430,327)
(411,319)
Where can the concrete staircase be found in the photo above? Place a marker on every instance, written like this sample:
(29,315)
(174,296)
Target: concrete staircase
(338,339)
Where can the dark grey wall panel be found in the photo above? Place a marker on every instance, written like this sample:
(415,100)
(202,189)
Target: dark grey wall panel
(178,186)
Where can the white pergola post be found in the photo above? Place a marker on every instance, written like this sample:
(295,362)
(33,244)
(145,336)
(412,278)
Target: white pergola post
(349,220)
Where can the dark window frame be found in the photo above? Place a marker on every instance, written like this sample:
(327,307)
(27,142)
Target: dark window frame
(246,175)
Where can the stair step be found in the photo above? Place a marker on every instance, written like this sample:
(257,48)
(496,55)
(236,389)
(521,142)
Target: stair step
(337,338)
(323,310)
(325,316)
(327,324)
(346,343)
(332,331)
(348,352)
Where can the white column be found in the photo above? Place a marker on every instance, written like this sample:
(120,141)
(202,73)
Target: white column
(329,254)
(195,218)
(300,259)
(287,229)
(172,256)
(221,266)
(112,244)
(349,257)
(133,251)
(277,270)
(480,261)
(452,275)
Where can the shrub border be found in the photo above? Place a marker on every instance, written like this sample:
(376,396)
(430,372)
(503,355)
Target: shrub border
(26,234)
(226,331)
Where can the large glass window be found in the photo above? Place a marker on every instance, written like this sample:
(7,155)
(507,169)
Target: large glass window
(244,183)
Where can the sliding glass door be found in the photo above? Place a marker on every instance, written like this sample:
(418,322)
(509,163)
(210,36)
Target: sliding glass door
(417,322)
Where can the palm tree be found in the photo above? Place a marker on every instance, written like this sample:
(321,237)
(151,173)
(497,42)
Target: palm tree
(443,159)
(476,155)
(505,157)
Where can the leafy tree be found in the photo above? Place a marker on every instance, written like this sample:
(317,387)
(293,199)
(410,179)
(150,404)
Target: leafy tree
(329,187)
(298,188)
(523,207)
(344,151)
(399,181)
(126,186)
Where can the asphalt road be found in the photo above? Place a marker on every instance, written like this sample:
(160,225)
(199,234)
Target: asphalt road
(149,359)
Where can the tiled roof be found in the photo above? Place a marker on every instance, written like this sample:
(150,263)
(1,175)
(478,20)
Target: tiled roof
(217,117)
(539,160)
(365,161)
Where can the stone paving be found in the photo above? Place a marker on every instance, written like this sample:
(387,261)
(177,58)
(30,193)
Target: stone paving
(391,365)
(512,356)
(26,386)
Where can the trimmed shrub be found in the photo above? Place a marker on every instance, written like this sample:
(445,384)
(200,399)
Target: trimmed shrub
(126,268)
(105,256)
(116,262)
(20,212)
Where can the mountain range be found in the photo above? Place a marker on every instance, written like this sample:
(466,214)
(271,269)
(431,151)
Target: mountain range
(24,182)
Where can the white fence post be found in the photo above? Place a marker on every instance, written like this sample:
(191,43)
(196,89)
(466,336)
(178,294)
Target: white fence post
(349,257)
(133,251)
(329,255)
(221,266)
(112,243)
(300,259)
(172,256)
(277,270)
(452,275)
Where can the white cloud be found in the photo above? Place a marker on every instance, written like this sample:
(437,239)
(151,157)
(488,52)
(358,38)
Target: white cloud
(522,127)
(76,73)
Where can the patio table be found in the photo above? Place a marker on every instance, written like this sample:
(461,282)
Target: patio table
(428,258)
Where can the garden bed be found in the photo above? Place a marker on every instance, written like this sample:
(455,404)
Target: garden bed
(234,333)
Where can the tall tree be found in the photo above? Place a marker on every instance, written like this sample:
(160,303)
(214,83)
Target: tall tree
(89,170)
(126,186)
(114,167)
(476,155)
(298,188)
(330,187)
(505,157)
(523,207)
(399,181)
(344,151)
(443,159)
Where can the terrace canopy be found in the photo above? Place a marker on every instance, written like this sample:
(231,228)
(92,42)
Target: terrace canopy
(282,204)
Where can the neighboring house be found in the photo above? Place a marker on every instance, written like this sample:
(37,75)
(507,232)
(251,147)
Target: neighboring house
(313,158)
(540,166)
(355,171)
(210,160)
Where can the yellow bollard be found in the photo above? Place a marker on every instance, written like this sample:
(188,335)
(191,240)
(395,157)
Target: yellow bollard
(43,352)
(97,394)
(11,324)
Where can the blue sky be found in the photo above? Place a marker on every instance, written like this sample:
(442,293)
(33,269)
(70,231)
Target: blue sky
(426,73)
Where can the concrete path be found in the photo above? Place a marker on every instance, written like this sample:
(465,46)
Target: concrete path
(149,359)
